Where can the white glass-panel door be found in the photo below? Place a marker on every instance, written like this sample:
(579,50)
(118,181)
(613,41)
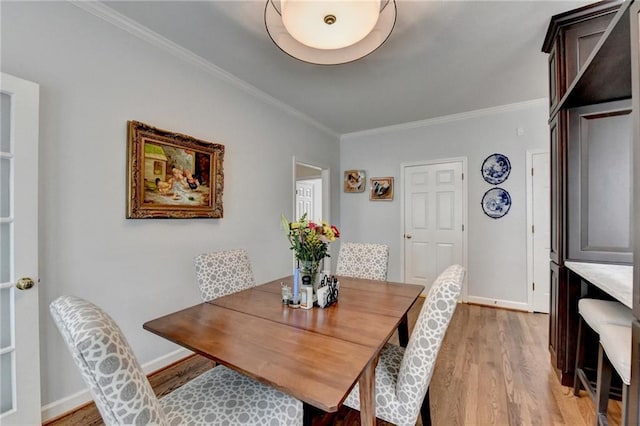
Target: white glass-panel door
(19,338)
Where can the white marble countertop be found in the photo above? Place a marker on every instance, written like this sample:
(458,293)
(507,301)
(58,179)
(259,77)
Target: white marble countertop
(616,280)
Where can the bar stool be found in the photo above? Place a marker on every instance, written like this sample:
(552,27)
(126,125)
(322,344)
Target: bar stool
(595,313)
(614,351)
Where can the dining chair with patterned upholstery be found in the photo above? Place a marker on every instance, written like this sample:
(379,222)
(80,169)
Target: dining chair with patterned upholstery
(402,375)
(368,261)
(223,272)
(124,395)
(363,260)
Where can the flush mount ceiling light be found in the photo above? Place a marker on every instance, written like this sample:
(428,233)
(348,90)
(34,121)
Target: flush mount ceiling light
(329,32)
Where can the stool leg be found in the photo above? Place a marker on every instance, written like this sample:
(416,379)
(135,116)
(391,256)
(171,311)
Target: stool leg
(579,359)
(603,387)
(625,405)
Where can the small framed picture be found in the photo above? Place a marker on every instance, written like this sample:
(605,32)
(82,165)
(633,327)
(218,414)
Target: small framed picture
(381,189)
(354,180)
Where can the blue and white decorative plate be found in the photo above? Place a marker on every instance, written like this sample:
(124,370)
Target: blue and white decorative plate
(496,168)
(496,203)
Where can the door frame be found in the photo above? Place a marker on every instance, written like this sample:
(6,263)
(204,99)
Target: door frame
(325,174)
(529,191)
(465,221)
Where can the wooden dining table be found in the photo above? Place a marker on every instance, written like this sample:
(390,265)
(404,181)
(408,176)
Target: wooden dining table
(315,355)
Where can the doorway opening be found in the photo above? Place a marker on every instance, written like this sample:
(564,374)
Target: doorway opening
(308,192)
(538,230)
(311,193)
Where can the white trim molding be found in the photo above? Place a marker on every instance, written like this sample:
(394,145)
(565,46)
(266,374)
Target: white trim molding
(498,303)
(448,118)
(107,14)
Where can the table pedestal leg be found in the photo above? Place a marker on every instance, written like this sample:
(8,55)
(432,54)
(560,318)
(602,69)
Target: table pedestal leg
(367,385)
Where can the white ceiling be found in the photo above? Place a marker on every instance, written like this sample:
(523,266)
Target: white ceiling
(443,57)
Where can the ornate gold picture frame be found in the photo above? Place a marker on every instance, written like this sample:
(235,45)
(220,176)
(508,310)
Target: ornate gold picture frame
(171,175)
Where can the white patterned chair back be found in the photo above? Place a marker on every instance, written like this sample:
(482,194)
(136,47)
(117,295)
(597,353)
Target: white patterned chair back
(222,273)
(416,368)
(119,387)
(363,260)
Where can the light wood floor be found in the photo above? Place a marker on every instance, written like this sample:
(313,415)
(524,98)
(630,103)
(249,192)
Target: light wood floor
(493,369)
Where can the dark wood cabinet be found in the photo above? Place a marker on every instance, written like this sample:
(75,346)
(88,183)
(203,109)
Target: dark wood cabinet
(580,39)
(634,390)
(589,69)
(557,189)
(554,289)
(635,55)
(554,72)
(571,38)
(599,183)
(566,289)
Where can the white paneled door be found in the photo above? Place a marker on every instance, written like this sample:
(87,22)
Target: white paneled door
(540,234)
(19,344)
(433,220)
(304,200)
(309,199)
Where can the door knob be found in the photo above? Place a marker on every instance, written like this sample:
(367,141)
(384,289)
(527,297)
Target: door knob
(25,283)
(407,236)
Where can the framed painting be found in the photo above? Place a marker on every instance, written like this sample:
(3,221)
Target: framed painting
(381,189)
(354,181)
(171,175)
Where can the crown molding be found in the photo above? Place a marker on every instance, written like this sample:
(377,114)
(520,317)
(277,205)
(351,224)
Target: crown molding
(107,14)
(448,118)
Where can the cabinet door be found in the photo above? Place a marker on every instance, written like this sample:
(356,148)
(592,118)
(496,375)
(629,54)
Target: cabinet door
(553,313)
(635,95)
(599,179)
(634,390)
(579,41)
(557,165)
(563,321)
(554,78)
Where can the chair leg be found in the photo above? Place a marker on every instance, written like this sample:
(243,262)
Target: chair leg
(579,359)
(403,331)
(307,414)
(603,387)
(425,410)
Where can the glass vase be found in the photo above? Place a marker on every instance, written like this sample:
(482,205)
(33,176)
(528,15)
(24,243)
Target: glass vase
(311,268)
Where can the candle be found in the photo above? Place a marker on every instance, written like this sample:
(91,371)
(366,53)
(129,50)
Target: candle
(296,286)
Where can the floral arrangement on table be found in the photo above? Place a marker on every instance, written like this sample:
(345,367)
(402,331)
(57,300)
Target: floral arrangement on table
(310,242)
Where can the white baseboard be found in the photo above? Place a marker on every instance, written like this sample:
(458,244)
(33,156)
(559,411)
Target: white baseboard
(78,399)
(508,304)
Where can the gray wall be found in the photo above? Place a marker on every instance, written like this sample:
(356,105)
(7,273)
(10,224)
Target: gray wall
(497,272)
(93,78)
